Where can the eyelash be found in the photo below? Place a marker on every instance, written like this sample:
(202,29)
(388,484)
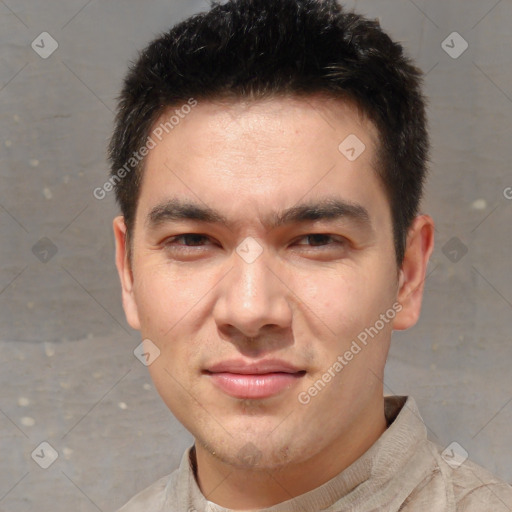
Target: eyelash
(170,242)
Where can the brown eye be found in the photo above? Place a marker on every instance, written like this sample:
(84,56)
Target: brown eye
(189,247)
(188,239)
(321,239)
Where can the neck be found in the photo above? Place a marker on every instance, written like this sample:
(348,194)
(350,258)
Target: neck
(242,489)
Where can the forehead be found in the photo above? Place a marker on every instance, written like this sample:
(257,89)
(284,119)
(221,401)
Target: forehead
(262,155)
(271,124)
(274,121)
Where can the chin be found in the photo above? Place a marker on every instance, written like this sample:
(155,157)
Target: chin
(258,451)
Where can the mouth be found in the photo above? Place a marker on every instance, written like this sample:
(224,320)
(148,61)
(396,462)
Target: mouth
(253,380)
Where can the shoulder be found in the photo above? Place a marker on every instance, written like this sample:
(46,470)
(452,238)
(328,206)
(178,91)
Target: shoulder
(151,499)
(475,489)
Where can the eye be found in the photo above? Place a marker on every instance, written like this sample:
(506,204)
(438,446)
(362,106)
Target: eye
(188,239)
(321,240)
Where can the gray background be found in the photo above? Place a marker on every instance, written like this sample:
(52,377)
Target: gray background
(68,375)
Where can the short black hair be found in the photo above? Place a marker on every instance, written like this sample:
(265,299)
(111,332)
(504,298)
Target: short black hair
(250,49)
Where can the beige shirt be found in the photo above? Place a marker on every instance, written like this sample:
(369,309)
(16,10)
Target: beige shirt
(402,472)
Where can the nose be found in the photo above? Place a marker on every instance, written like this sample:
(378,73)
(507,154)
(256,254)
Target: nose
(253,299)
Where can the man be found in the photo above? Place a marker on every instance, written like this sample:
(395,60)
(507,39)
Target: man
(269,159)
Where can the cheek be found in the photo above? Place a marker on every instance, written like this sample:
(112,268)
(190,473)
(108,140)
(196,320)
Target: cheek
(168,302)
(173,305)
(164,297)
(343,303)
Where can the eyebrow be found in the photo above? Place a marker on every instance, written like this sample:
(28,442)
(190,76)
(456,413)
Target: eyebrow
(325,209)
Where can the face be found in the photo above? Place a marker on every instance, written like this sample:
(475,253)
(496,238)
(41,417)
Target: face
(261,253)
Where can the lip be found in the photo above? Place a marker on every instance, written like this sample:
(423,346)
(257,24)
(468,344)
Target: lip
(253,368)
(255,380)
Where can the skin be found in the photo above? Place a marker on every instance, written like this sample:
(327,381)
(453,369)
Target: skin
(303,300)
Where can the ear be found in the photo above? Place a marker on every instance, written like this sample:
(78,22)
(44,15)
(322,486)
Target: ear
(125,273)
(419,247)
